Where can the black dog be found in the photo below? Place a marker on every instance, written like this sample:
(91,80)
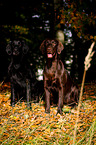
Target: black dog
(19,71)
(56,77)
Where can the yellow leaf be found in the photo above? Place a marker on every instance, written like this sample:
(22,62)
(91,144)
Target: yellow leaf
(30,138)
(62,22)
(95,38)
(91,37)
(15,128)
(47,130)
(71,6)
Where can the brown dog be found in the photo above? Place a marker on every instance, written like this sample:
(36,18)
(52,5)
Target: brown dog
(56,78)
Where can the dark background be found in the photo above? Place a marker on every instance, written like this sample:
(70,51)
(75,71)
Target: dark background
(33,22)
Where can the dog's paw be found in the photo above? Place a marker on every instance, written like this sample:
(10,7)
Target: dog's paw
(59,110)
(47,110)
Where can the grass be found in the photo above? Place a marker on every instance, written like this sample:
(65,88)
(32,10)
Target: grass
(19,125)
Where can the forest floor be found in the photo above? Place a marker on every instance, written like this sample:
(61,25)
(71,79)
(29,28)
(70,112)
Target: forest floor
(20,126)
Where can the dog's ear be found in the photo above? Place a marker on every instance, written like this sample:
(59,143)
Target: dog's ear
(25,48)
(42,47)
(9,48)
(60,47)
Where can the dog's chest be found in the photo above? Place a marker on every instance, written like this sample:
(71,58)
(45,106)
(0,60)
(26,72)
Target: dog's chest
(52,69)
(55,71)
(52,75)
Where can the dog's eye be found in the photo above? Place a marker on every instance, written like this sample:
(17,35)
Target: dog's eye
(47,42)
(19,43)
(53,43)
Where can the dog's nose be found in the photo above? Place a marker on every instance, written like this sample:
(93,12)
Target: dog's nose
(15,51)
(49,49)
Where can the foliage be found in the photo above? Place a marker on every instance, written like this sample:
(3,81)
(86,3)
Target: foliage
(33,22)
(75,16)
(16,31)
(19,125)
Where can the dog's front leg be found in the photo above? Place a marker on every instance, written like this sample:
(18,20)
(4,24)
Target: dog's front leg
(47,101)
(28,93)
(60,101)
(12,95)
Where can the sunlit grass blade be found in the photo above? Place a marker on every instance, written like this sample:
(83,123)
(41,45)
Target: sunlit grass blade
(87,63)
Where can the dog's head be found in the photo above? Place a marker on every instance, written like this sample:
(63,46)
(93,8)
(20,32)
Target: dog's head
(16,47)
(51,47)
